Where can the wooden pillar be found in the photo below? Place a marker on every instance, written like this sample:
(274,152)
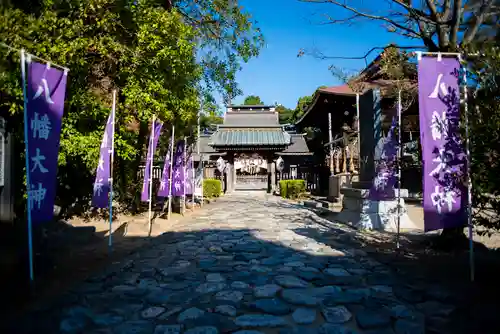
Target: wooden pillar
(271,172)
(229,172)
(233,176)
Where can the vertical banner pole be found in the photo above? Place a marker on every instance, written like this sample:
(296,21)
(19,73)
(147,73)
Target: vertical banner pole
(170,173)
(193,181)
(113,112)
(151,175)
(469,180)
(198,151)
(330,138)
(398,157)
(184,171)
(28,183)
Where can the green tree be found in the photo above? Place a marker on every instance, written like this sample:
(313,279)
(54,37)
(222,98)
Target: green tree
(226,35)
(302,104)
(253,100)
(484,125)
(285,114)
(144,51)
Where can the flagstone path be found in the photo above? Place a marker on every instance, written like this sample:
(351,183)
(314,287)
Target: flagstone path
(248,264)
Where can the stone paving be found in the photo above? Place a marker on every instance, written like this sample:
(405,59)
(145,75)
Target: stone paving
(244,265)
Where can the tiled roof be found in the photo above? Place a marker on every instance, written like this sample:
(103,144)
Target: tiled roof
(205,149)
(250,137)
(298,146)
(250,119)
(360,86)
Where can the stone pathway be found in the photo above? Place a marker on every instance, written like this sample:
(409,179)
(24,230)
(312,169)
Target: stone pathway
(245,265)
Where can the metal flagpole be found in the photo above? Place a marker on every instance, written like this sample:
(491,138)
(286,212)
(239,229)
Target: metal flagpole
(184,171)
(198,152)
(151,174)
(398,157)
(28,183)
(193,181)
(170,173)
(112,152)
(330,137)
(469,181)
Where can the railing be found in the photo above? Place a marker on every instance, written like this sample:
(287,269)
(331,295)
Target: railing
(157,172)
(301,173)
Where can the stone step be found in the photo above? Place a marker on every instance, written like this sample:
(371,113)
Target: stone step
(312,204)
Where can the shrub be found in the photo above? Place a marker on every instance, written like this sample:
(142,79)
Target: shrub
(292,188)
(212,188)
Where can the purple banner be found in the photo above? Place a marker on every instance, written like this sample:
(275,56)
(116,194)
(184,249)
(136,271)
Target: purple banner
(178,170)
(100,198)
(164,183)
(189,176)
(443,154)
(46,89)
(149,160)
(385,167)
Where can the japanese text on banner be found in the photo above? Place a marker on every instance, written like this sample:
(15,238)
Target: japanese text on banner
(46,89)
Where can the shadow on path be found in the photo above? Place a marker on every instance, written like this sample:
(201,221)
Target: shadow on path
(252,261)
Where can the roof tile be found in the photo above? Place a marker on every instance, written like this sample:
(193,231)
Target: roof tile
(250,137)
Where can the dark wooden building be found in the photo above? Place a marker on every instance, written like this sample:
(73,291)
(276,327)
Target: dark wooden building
(333,116)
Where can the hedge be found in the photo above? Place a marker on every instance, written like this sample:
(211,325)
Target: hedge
(212,188)
(292,188)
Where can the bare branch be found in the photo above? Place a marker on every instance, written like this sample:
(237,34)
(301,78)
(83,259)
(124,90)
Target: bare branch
(348,20)
(478,20)
(455,22)
(447,9)
(358,13)
(318,54)
(432,7)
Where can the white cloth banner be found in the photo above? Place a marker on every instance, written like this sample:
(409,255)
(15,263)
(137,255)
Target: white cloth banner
(198,179)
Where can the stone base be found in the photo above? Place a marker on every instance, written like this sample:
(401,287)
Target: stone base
(363,213)
(337,182)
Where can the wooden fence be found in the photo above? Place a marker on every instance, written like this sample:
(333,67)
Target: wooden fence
(316,177)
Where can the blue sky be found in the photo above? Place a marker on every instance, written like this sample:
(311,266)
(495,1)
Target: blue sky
(289,25)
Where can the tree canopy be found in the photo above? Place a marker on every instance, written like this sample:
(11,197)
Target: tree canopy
(253,100)
(162,59)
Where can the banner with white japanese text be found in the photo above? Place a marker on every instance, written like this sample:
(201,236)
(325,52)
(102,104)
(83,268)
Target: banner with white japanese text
(164,190)
(385,179)
(153,142)
(178,177)
(45,93)
(102,183)
(198,179)
(189,181)
(444,158)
